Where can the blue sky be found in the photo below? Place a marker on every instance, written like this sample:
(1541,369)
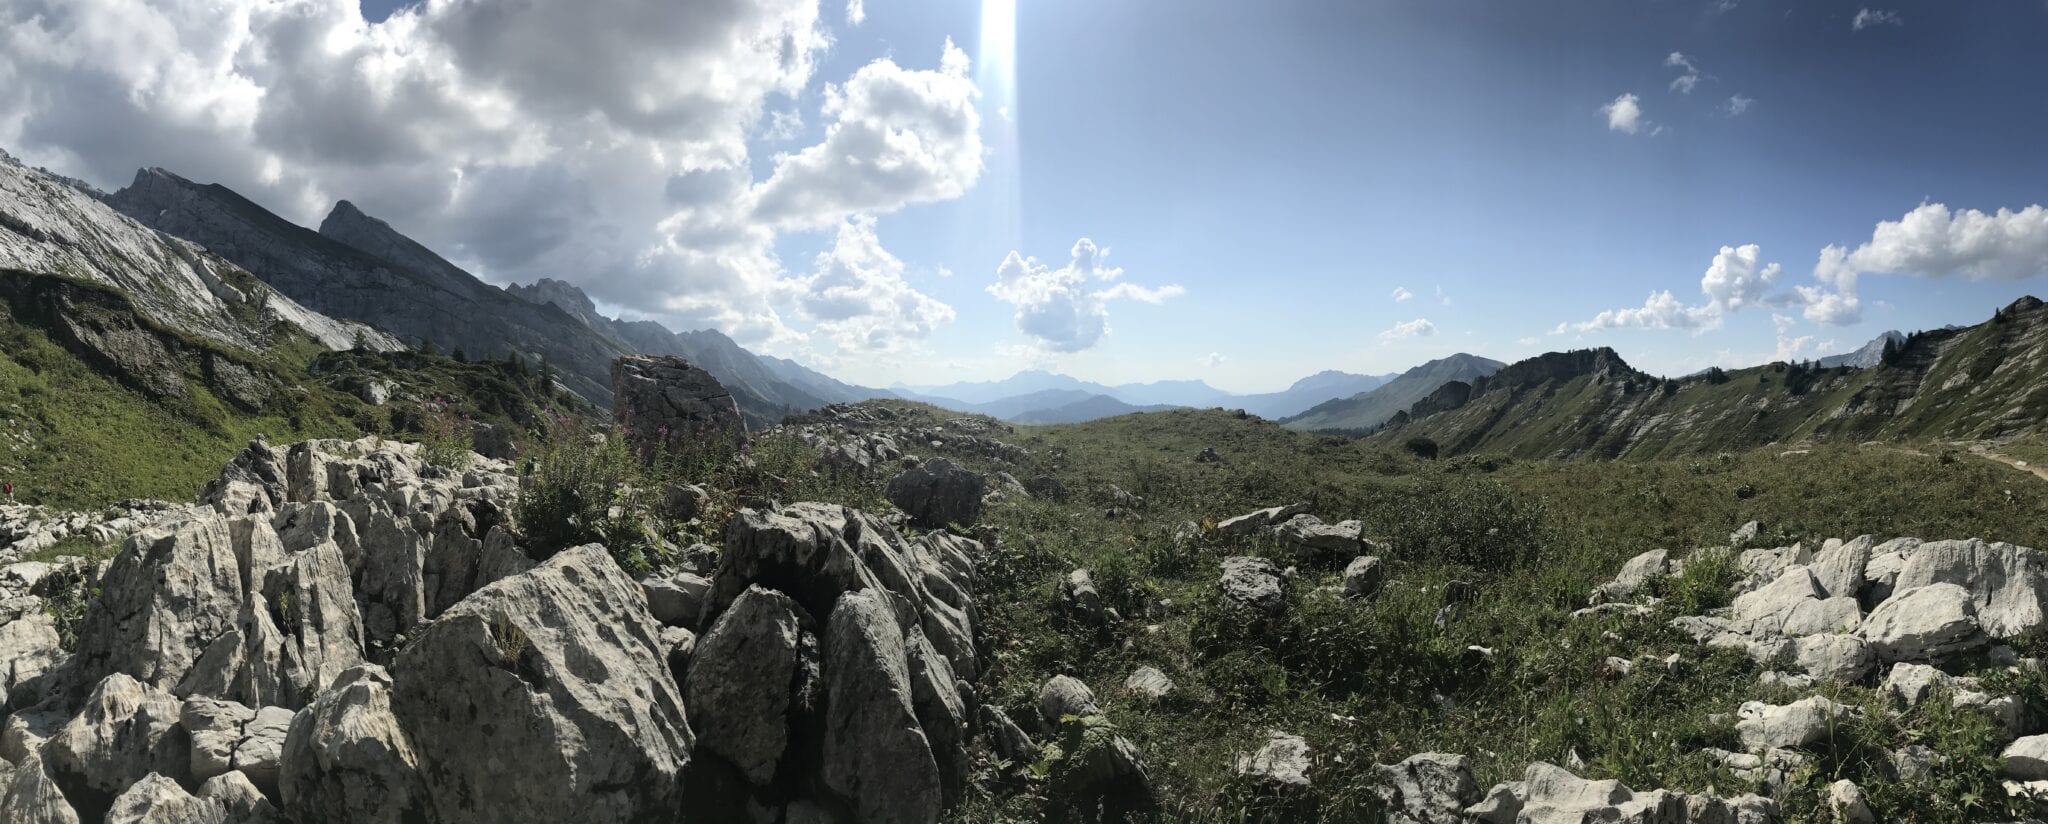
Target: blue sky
(1263,177)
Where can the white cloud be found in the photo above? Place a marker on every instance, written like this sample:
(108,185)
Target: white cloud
(1684,83)
(1661,310)
(1934,241)
(896,137)
(1737,105)
(1213,359)
(1059,308)
(1868,17)
(1625,114)
(856,12)
(858,297)
(1738,277)
(605,141)
(1417,328)
(1401,294)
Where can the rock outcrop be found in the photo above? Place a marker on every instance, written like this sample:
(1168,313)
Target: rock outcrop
(546,695)
(668,407)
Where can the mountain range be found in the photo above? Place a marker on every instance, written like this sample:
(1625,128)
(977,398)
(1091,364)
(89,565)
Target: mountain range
(359,267)
(1363,411)
(1965,382)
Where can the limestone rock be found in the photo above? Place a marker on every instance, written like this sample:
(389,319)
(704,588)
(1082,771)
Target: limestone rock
(125,731)
(676,599)
(1364,576)
(1282,762)
(1080,597)
(546,695)
(31,796)
(159,800)
(1840,658)
(876,756)
(1846,800)
(1149,682)
(346,759)
(2006,583)
(2026,759)
(755,668)
(1798,724)
(1253,584)
(1428,788)
(1064,696)
(938,493)
(239,800)
(667,406)
(1252,522)
(1636,574)
(1923,623)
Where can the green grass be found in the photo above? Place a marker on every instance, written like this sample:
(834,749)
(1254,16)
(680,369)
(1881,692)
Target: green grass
(1377,682)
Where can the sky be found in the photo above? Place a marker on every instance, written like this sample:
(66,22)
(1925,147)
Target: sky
(924,192)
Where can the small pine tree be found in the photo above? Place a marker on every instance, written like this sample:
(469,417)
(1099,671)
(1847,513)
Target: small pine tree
(360,343)
(427,347)
(1890,355)
(459,355)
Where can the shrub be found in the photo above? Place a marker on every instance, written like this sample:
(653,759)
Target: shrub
(567,498)
(1422,447)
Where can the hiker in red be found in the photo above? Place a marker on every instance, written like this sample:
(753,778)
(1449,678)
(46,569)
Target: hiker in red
(8,488)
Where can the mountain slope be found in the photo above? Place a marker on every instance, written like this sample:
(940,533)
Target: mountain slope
(1088,408)
(1369,409)
(418,296)
(48,226)
(1983,381)
(766,387)
(1868,355)
(1307,392)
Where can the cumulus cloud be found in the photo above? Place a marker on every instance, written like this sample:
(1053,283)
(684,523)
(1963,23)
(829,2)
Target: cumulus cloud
(1417,328)
(606,141)
(1661,310)
(896,137)
(1061,309)
(1737,105)
(1213,359)
(1930,241)
(1738,277)
(1401,294)
(858,297)
(856,12)
(1625,114)
(1868,17)
(1684,82)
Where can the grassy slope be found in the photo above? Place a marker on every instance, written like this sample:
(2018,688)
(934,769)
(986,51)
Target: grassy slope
(1358,680)
(75,438)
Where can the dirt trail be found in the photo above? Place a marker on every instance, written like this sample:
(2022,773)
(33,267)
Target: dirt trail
(1985,452)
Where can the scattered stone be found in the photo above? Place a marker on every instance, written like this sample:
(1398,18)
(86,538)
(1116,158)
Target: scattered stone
(126,730)
(2006,584)
(157,799)
(1080,597)
(1251,522)
(1635,575)
(1254,584)
(1207,455)
(1282,763)
(1798,724)
(1839,658)
(2026,759)
(1846,800)
(1149,682)
(1428,788)
(1064,696)
(1744,535)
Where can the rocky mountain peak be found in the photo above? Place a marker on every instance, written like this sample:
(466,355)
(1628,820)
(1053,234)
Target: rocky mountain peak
(564,294)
